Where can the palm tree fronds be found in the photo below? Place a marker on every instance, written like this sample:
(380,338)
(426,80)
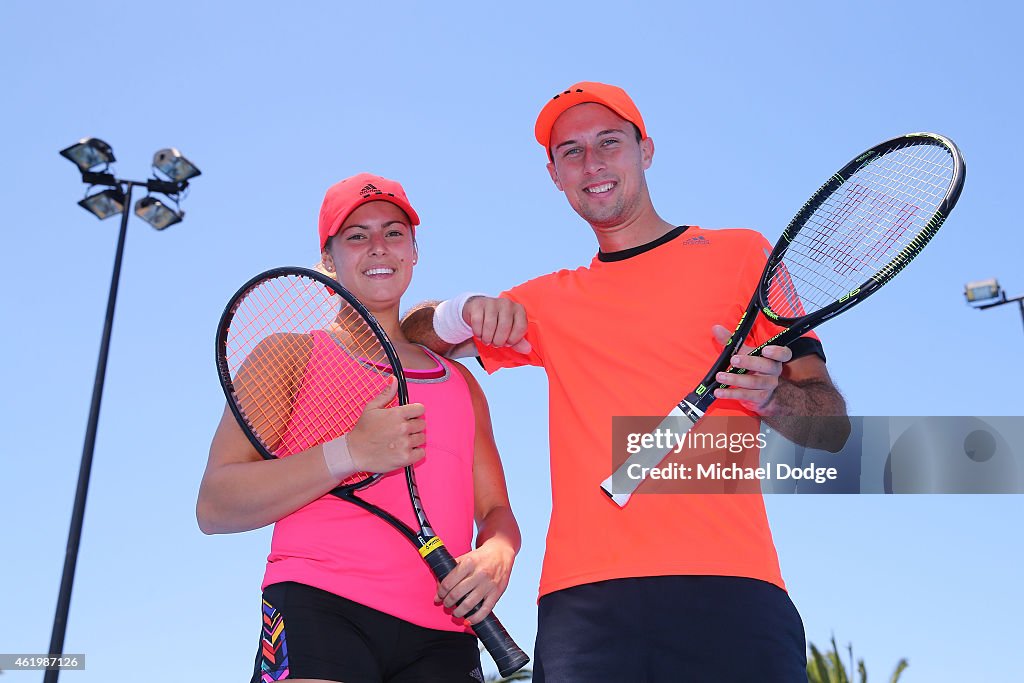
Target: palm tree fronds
(903,664)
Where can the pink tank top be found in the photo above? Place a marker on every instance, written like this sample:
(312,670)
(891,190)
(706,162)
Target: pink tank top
(337,547)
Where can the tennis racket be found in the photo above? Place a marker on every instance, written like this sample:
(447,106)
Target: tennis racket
(265,351)
(862,227)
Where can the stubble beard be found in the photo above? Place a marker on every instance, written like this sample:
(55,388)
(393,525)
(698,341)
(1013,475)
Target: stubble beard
(607,216)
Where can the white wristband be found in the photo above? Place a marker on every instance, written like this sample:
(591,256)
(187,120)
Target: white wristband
(449,324)
(338,459)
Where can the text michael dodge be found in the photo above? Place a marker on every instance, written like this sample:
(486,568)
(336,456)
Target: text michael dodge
(732,472)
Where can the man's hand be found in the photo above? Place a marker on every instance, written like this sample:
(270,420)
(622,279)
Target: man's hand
(497,321)
(795,397)
(755,388)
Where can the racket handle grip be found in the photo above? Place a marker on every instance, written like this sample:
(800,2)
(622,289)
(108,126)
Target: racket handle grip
(503,650)
(620,486)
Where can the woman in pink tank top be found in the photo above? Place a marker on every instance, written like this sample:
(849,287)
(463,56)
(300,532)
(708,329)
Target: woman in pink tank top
(345,598)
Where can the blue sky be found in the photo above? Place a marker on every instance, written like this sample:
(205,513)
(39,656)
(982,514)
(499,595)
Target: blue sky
(751,106)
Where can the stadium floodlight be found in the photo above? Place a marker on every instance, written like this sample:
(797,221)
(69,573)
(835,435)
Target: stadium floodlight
(105,204)
(983,294)
(88,153)
(172,164)
(156,213)
(983,291)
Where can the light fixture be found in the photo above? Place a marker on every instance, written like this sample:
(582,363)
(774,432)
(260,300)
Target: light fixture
(985,294)
(982,291)
(172,164)
(104,204)
(156,213)
(88,153)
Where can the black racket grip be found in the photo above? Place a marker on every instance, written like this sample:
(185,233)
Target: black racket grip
(504,651)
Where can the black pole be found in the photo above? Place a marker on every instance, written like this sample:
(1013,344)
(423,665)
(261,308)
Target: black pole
(1004,300)
(78,511)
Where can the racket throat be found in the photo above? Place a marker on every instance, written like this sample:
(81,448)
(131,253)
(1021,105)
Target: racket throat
(428,543)
(426,534)
(688,409)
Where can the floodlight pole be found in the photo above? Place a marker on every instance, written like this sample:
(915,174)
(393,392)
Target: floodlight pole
(99,153)
(60,620)
(1004,300)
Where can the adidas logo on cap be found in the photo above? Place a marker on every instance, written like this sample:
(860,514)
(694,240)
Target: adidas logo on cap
(371,189)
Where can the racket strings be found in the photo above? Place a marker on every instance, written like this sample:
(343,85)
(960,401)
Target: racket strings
(304,363)
(880,211)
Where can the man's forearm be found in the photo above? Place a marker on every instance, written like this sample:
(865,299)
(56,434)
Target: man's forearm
(418,327)
(810,413)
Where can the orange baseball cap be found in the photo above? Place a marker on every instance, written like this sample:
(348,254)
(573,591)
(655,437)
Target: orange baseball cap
(613,97)
(346,196)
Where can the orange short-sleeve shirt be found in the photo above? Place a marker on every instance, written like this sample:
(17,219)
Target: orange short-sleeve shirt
(632,337)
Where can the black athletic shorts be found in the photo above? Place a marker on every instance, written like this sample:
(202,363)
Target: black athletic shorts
(676,629)
(310,633)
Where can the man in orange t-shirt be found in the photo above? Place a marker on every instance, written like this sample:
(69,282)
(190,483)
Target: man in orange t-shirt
(671,587)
